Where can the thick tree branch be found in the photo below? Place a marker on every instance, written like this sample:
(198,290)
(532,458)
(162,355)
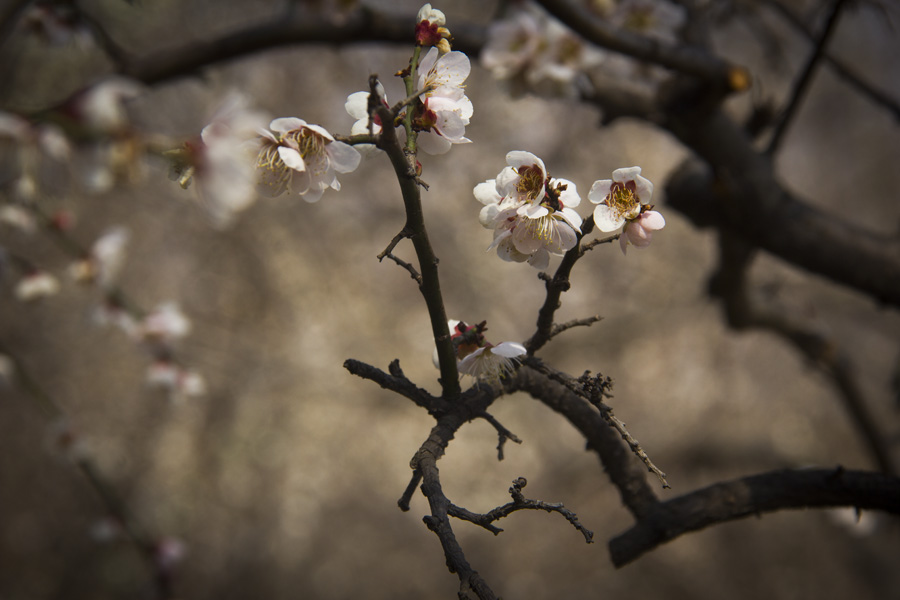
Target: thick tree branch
(743,311)
(689,60)
(777,490)
(739,193)
(625,472)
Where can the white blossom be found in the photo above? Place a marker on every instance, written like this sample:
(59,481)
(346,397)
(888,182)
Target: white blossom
(105,260)
(623,200)
(302,158)
(530,212)
(165,324)
(446,110)
(492,363)
(177,381)
(222,161)
(36,285)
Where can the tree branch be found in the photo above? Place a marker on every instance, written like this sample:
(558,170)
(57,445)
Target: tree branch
(626,473)
(689,60)
(739,192)
(801,85)
(767,492)
(520,502)
(729,283)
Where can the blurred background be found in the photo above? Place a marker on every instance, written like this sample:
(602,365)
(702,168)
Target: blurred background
(281,481)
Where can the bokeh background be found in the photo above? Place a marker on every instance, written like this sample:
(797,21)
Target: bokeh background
(282,480)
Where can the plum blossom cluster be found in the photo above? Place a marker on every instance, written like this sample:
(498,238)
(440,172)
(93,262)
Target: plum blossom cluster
(659,19)
(531,213)
(236,158)
(442,110)
(479,358)
(531,51)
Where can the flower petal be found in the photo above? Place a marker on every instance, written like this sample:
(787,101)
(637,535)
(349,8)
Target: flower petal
(291,158)
(600,190)
(344,158)
(605,219)
(486,192)
(285,124)
(652,221)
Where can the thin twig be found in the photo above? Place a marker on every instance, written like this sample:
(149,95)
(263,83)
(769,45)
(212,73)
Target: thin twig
(404,234)
(606,412)
(503,433)
(839,67)
(520,502)
(801,85)
(585,322)
(593,243)
(412,270)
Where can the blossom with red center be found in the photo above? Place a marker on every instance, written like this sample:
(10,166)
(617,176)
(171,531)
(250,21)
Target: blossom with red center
(479,358)
(430,30)
(445,110)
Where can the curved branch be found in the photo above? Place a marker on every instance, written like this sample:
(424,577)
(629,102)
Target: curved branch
(689,60)
(520,502)
(740,193)
(360,26)
(742,311)
(777,490)
(626,473)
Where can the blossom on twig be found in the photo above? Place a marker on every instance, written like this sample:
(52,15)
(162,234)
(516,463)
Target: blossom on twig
(430,30)
(479,358)
(36,285)
(622,201)
(302,158)
(445,110)
(222,160)
(530,212)
(532,51)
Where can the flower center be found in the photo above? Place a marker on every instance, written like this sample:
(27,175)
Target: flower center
(531,182)
(623,201)
(269,160)
(311,147)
